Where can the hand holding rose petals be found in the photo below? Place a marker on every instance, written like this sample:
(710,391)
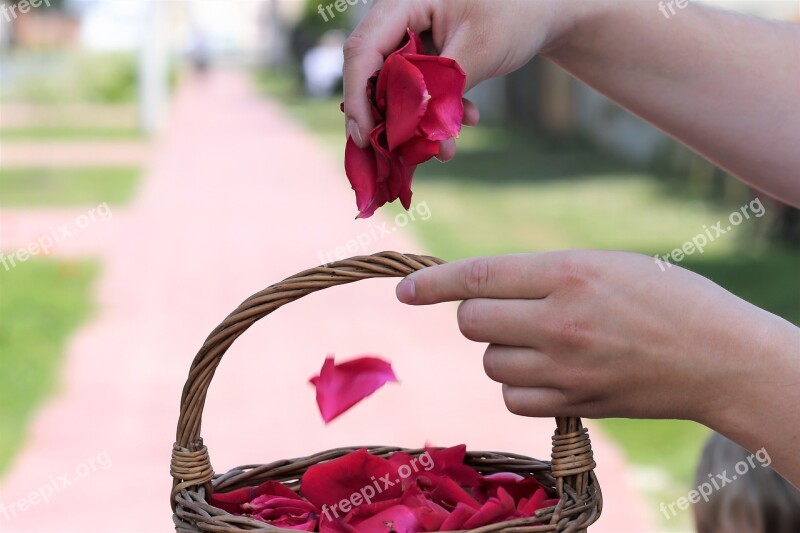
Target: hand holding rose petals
(340,387)
(416,103)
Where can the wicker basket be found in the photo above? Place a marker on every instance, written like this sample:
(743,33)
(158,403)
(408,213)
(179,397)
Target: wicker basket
(570,473)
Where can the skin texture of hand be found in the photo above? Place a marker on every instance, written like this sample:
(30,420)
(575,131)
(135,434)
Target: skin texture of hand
(609,334)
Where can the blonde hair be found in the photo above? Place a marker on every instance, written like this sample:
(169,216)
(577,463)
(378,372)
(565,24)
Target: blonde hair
(758,501)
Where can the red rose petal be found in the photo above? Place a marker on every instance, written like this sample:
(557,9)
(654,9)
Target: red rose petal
(517,486)
(458,517)
(445,81)
(406,100)
(376,90)
(417,150)
(494,510)
(361,167)
(232,502)
(327,484)
(451,494)
(340,387)
(391,173)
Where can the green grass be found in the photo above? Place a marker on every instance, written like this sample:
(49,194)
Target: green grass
(68,133)
(507,192)
(41,303)
(59,77)
(66,186)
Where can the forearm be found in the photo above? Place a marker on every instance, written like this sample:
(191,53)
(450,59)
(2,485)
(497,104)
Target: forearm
(761,407)
(727,85)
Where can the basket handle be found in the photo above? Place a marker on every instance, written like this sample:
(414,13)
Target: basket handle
(572,458)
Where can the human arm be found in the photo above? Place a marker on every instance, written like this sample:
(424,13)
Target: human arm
(727,85)
(609,334)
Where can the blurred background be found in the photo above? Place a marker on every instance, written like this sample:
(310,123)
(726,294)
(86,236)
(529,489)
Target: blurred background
(112,111)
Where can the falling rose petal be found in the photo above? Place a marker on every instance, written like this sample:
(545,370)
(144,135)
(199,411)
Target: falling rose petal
(340,387)
(445,81)
(406,100)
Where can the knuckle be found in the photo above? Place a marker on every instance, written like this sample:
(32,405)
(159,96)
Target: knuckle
(576,273)
(468,318)
(354,45)
(476,278)
(571,332)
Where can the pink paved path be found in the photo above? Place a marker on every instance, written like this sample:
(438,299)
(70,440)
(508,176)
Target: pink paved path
(236,198)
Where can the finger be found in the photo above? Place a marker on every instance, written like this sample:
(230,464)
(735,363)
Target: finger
(471,114)
(376,36)
(520,366)
(447,150)
(539,401)
(504,276)
(502,321)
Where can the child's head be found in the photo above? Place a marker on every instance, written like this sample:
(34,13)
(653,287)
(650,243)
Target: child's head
(754,500)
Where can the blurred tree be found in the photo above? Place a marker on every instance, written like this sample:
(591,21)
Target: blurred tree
(312,26)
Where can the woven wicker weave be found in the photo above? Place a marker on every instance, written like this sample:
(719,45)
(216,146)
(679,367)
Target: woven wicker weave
(570,471)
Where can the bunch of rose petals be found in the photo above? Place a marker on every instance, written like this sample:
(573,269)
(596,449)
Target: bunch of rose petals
(362,493)
(416,102)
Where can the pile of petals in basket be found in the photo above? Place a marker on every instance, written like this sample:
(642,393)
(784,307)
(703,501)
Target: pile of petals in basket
(363,493)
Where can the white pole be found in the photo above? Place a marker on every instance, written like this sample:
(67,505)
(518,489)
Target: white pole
(153,68)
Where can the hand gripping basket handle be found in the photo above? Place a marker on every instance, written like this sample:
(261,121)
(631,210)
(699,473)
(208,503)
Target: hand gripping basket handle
(572,460)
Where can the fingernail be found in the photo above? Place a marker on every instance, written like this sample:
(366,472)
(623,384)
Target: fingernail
(406,291)
(354,132)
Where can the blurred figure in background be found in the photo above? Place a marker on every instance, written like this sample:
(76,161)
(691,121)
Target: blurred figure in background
(758,501)
(200,53)
(322,66)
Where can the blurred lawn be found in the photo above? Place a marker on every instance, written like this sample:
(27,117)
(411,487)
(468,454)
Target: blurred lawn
(507,192)
(60,77)
(66,186)
(41,303)
(69,133)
